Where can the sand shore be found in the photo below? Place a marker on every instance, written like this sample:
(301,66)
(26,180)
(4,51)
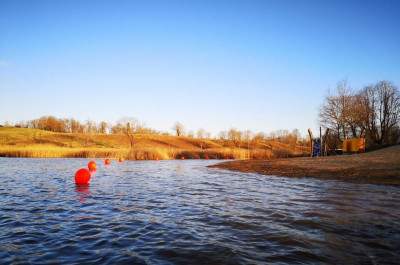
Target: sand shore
(380,167)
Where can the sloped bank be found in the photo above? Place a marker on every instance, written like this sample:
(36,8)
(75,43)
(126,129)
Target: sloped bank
(379,167)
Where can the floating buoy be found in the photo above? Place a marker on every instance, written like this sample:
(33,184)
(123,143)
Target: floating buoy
(107,161)
(92,166)
(82,177)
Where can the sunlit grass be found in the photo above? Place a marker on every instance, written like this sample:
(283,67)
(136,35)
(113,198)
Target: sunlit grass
(21,142)
(43,151)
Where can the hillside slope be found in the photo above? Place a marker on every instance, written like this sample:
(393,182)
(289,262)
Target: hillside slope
(23,142)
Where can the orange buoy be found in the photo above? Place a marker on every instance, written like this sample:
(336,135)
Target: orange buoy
(107,161)
(82,177)
(92,166)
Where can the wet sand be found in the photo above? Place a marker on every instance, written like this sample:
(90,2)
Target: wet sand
(379,167)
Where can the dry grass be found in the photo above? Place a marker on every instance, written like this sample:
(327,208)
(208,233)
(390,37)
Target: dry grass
(53,151)
(21,142)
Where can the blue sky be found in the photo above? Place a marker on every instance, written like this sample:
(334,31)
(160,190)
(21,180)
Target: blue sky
(258,65)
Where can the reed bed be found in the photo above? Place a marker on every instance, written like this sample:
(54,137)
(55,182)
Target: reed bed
(51,152)
(141,153)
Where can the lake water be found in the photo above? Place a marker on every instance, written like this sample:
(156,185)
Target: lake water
(181,212)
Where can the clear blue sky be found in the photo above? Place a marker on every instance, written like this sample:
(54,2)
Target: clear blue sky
(259,65)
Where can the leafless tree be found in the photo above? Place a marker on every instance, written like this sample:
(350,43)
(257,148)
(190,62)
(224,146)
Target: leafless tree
(90,127)
(380,111)
(235,136)
(129,127)
(178,128)
(201,133)
(374,111)
(49,123)
(258,138)
(75,126)
(223,135)
(190,134)
(332,111)
(129,132)
(103,126)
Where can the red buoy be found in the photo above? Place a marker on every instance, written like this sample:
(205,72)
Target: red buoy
(82,177)
(107,161)
(92,166)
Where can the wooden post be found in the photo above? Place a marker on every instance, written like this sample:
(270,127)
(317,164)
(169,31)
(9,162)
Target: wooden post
(325,145)
(311,141)
(320,141)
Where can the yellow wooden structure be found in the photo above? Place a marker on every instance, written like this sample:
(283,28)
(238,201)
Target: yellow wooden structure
(354,145)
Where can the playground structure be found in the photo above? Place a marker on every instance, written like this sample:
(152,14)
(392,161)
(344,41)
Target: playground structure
(320,147)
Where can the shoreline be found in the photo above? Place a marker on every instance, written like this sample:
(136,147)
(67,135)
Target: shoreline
(376,167)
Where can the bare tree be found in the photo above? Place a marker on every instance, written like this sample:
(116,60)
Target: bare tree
(380,111)
(49,123)
(178,128)
(235,136)
(90,127)
(129,132)
(201,133)
(190,134)
(258,138)
(388,110)
(374,112)
(75,126)
(223,135)
(103,126)
(336,109)
(129,127)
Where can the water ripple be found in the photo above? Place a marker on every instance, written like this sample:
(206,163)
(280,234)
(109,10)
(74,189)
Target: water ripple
(180,212)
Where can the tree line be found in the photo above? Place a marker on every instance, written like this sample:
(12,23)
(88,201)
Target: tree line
(53,124)
(372,112)
(131,126)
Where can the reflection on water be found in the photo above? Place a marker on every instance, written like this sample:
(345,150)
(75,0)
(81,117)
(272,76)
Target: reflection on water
(83,192)
(180,212)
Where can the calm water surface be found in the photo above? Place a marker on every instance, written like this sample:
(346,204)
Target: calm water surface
(181,212)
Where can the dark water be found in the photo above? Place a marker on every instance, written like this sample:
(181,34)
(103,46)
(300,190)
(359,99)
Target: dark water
(180,212)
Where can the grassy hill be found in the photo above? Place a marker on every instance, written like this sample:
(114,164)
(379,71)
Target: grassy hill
(24,142)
